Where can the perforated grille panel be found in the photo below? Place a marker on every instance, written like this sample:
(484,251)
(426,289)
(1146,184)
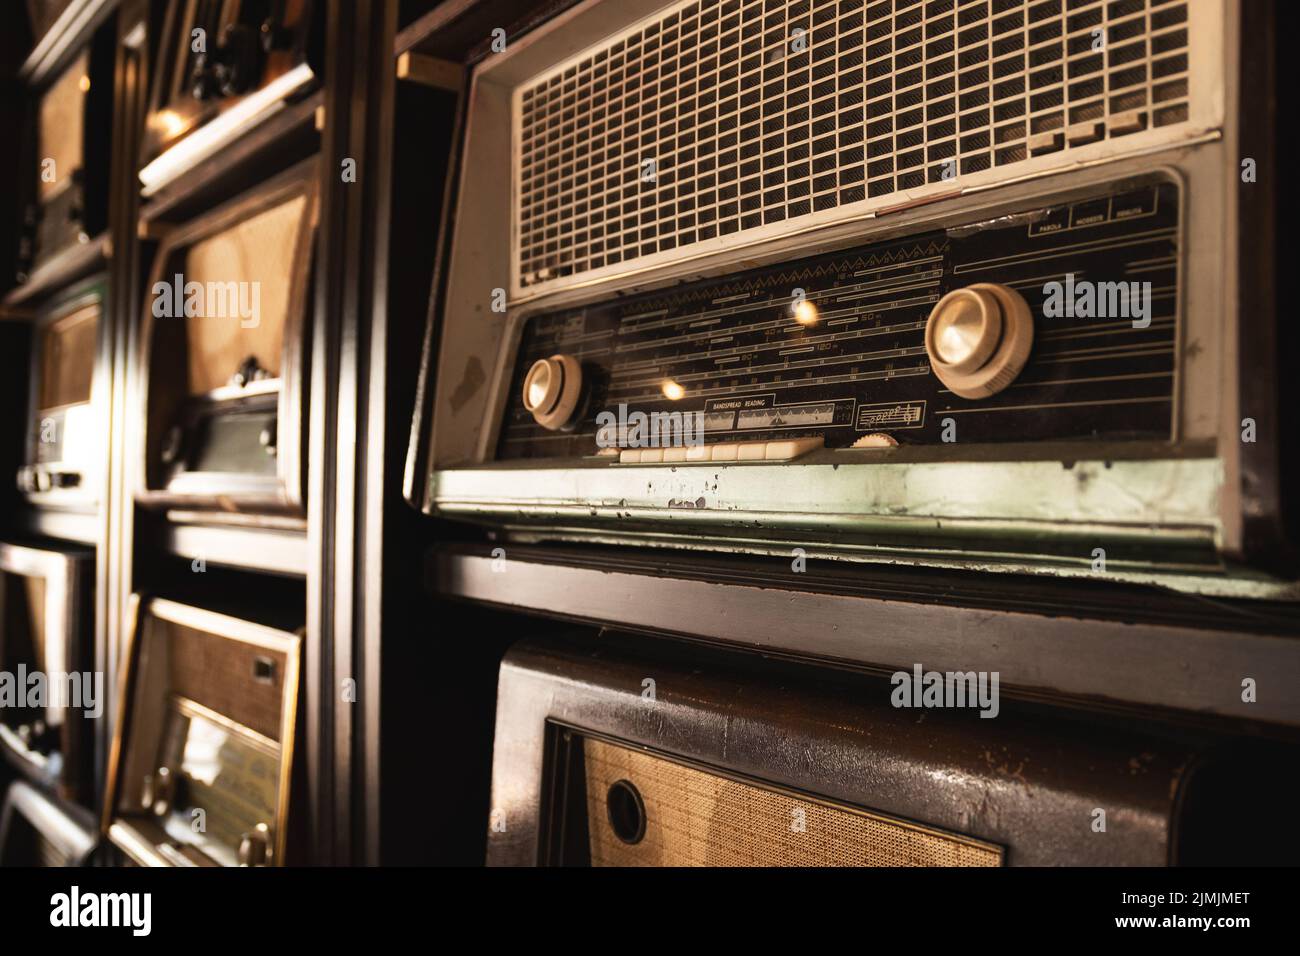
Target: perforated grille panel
(727,115)
(693,818)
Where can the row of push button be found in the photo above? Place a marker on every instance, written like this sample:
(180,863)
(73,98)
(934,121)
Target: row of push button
(782,450)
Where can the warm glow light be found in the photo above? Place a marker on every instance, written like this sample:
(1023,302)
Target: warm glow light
(673,391)
(805,313)
(169,121)
(84,84)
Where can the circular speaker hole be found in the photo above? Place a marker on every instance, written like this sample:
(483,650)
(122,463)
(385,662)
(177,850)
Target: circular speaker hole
(626,811)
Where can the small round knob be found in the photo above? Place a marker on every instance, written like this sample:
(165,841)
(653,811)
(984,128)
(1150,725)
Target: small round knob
(203,83)
(255,846)
(978,338)
(552,388)
(274,36)
(238,59)
(172,445)
(159,789)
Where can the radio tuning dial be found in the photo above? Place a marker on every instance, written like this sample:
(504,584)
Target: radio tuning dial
(255,846)
(552,389)
(978,338)
(172,445)
(159,789)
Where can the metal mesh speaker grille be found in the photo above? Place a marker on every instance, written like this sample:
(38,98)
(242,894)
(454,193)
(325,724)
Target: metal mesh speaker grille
(727,115)
(694,818)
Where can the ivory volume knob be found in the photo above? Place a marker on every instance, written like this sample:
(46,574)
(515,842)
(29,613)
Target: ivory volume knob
(978,338)
(552,388)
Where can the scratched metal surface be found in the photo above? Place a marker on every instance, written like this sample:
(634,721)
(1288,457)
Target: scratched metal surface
(1022,781)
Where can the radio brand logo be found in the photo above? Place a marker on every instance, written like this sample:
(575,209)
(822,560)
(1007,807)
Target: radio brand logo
(74,908)
(946,689)
(35,690)
(636,429)
(208,300)
(1098,300)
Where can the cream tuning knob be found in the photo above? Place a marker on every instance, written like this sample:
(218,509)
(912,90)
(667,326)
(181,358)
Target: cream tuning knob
(552,388)
(978,338)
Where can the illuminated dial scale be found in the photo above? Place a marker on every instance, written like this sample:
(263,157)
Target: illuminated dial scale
(880,344)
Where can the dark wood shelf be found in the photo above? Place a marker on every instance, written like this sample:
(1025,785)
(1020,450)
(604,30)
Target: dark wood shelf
(455,29)
(284,138)
(74,25)
(66,267)
(1053,652)
(271,550)
(78,526)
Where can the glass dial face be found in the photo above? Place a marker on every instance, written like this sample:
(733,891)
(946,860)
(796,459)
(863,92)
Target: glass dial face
(227,781)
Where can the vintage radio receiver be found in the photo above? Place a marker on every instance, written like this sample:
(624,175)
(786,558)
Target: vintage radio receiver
(66,448)
(226,66)
(69,133)
(38,831)
(205,732)
(53,685)
(718,766)
(953,282)
(225,349)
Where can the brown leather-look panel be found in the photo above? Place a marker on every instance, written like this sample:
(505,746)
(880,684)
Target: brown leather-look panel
(220,674)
